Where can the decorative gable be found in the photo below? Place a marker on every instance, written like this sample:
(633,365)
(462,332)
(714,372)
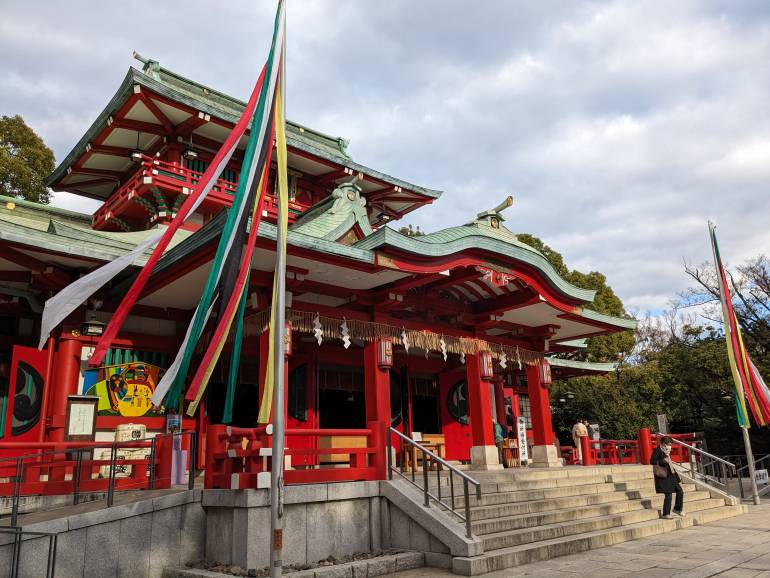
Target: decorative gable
(340,217)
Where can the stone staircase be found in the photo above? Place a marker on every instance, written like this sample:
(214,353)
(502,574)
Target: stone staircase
(529,515)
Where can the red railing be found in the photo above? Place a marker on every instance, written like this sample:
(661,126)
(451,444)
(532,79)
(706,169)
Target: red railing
(177,180)
(617,452)
(239,458)
(75,468)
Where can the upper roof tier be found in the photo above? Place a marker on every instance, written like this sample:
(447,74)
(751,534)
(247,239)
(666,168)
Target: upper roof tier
(155,109)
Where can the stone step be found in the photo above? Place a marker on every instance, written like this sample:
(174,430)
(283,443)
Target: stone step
(524,474)
(562,545)
(636,474)
(545,494)
(509,538)
(646,491)
(509,508)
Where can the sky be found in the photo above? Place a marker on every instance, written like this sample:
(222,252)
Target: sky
(620,128)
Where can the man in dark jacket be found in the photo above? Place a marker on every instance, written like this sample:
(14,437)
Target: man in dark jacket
(669,484)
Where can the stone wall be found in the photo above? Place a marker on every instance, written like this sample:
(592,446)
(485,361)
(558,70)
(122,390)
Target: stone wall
(138,539)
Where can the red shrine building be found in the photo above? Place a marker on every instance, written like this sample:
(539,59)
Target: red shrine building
(439,335)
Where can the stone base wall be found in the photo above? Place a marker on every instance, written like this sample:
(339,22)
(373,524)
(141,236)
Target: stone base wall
(138,539)
(320,520)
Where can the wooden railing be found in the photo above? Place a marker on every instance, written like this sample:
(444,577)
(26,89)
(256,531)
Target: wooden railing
(176,180)
(239,458)
(71,468)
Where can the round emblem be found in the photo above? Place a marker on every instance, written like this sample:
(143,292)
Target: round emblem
(457,402)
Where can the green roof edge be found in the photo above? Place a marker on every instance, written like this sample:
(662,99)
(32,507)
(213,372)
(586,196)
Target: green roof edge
(134,76)
(582,365)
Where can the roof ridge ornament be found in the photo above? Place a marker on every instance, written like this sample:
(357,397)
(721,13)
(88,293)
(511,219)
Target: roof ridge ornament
(151,67)
(492,217)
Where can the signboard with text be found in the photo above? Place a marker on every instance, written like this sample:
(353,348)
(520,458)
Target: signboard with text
(522,436)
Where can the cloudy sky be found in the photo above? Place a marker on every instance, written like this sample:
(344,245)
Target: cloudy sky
(619,127)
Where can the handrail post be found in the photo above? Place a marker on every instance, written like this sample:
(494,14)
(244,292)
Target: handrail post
(16,554)
(425,479)
(152,464)
(468,527)
(111,481)
(193,459)
(53,540)
(78,468)
(389,449)
(17,491)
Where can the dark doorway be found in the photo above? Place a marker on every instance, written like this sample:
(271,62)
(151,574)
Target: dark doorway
(341,397)
(425,409)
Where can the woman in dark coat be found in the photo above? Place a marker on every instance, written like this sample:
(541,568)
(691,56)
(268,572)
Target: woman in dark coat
(670,484)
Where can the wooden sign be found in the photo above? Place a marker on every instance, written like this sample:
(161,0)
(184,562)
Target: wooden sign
(81,417)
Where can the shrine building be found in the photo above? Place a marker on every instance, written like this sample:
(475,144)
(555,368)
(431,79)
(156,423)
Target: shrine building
(438,335)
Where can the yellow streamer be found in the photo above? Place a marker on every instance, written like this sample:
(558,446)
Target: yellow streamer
(266,405)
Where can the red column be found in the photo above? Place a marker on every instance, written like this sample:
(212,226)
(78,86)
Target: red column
(65,383)
(500,402)
(483,452)
(586,450)
(540,402)
(377,396)
(645,445)
(544,453)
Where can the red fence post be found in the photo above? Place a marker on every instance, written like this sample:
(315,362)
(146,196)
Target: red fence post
(215,444)
(585,448)
(163,456)
(645,445)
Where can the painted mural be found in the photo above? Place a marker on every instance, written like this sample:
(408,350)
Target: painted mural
(125,389)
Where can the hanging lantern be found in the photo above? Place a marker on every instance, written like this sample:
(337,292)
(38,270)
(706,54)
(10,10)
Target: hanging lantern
(545,373)
(385,354)
(485,360)
(287,340)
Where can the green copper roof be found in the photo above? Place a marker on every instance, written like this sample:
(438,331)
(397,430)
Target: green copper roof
(586,366)
(609,319)
(210,101)
(470,237)
(334,216)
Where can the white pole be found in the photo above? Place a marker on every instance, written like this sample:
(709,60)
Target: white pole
(279,331)
(750,459)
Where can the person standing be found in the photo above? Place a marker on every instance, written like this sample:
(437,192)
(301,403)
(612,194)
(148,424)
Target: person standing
(666,479)
(589,429)
(579,431)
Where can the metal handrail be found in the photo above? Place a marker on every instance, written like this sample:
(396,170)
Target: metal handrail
(70,447)
(16,551)
(698,450)
(756,462)
(466,479)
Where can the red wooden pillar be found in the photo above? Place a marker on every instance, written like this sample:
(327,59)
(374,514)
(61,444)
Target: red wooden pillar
(377,397)
(500,402)
(484,454)
(645,445)
(65,383)
(544,453)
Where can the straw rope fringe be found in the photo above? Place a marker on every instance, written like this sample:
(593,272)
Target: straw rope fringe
(302,322)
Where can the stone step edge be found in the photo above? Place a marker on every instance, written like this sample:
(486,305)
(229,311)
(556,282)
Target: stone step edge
(618,496)
(379,566)
(570,523)
(651,502)
(653,513)
(584,542)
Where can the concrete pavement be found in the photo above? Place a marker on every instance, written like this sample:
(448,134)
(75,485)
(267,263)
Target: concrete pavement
(736,547)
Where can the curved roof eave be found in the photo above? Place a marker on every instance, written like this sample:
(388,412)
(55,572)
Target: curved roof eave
(386,236)
(619,322)
(134,76)
(587,366)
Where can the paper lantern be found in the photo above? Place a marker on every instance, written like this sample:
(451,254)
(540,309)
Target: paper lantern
(385,354)
(485,359)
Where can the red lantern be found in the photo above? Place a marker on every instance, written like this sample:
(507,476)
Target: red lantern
(287,340)
(385,354)
(485,359)
(545,373)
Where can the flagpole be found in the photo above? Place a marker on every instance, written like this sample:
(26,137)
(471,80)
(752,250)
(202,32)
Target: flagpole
(279,332)
(724,295)
(750,458)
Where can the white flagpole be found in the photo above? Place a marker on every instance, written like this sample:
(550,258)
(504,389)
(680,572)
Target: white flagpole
(744,429)
(279,332)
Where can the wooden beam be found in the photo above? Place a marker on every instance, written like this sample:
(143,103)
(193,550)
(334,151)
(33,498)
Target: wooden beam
(110,150)
(507,302)
(138,125)
(156,111)
(16,276)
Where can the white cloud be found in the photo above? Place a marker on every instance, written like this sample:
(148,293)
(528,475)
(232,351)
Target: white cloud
(619,127)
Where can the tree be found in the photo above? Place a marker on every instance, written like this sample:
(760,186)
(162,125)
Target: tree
(25,161)
(607,348)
